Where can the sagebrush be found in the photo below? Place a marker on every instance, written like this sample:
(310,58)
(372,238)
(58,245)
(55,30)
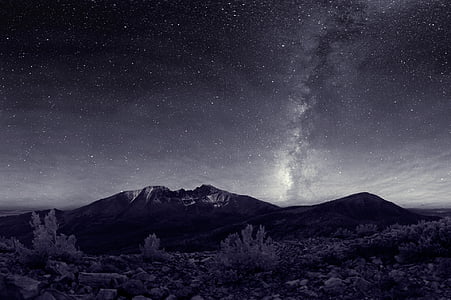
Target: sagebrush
(151,249)
(47,243)
(7,245)
(366,229)
(425,240)
(246,253)
(403,243)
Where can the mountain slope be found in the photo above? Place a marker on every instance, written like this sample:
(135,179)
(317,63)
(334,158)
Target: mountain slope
(198,228)
(325,218)
(121,222)
(199,219)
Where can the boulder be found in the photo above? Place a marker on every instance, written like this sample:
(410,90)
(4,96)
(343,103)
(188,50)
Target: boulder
(18,287)
(157,293)
(334,285)
(133,287)
(140,298)
(46,296)
(57,295)
(101,280)
(361,284)
(397,275)
(106,294)
(144,276)
(293,283)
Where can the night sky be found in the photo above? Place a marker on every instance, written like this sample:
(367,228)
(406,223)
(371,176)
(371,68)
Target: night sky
(292,102)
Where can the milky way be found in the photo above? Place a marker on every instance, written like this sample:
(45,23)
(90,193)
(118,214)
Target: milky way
(292,103)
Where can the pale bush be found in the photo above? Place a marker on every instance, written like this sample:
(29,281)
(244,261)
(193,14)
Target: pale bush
(343,233)
(65,248)
(409,243)
(47,243)
(151,251)
(366,229)
(246,253)
(6,245)
(426,240)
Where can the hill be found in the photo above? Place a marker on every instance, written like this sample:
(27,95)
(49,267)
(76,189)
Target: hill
(199,219)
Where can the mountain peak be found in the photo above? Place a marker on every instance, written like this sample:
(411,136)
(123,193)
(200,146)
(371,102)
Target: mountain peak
(205,194)
(364,206)
(156,187)
(207,185)
(362,196)
(207,189)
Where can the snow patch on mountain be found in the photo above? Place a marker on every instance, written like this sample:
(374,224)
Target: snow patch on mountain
(218,199)
(146,193)
(131,195)
(205,194)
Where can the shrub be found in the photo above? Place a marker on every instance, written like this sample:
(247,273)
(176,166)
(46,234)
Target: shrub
(425,240)
(248,254)
(366,229)
(151,249)
(343,233)
(403,243)
(409,243)
(47,243)
(6,245)
(443,267)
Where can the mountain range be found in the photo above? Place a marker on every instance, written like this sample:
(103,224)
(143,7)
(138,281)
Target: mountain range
(198,219)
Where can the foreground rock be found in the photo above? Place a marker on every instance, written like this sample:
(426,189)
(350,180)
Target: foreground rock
(307,270)
(18,287)
(101,280)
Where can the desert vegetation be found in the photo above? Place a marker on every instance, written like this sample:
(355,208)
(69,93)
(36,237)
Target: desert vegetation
(46,243)
(151,251)
(398,262)
(247,253)
(243,254)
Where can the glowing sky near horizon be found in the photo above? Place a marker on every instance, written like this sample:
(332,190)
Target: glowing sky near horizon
(292,103)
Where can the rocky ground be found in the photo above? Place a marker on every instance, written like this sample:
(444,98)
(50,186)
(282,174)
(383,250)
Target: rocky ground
(306,270)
